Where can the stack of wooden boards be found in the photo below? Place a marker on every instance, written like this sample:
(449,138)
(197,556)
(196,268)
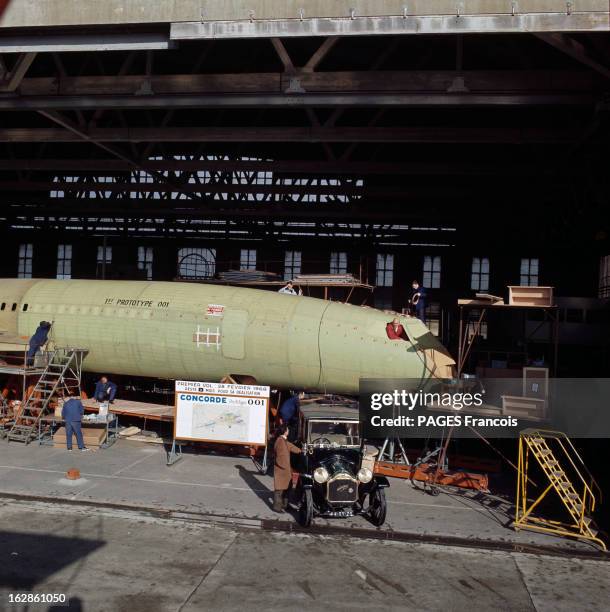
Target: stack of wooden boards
(93,437)
(325,279)
(248,276)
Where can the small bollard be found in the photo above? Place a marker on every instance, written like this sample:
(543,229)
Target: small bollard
(73,474)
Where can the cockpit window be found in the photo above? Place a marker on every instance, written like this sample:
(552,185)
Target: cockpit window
(339,433)
(14,307)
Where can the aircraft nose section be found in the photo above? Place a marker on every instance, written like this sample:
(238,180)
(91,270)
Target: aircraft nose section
(356,343)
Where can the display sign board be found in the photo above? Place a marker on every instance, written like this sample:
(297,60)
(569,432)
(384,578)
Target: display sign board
(223,413)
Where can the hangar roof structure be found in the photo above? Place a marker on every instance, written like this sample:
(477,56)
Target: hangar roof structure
(377,121)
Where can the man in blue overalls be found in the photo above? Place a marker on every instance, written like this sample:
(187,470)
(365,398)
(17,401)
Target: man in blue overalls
(105,390)
(289,413)
(37,340)
(417,301)
(72,413)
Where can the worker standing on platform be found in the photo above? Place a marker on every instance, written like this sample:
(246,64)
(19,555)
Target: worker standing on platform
(105,390)
(417,301)
(72,414)
(282,472)
(38,340)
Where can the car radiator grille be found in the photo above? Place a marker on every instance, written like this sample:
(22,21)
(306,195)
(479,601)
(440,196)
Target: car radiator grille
(342,488)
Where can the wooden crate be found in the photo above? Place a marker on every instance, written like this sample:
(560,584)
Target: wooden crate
(530,408)
(92,436)
(530,296)
(536,382)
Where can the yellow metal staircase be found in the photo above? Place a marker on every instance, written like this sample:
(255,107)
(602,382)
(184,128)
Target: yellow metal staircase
(567,475)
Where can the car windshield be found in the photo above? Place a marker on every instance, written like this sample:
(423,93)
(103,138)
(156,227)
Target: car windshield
(337,433)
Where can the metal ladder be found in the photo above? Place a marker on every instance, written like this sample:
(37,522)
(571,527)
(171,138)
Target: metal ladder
(567,476)
(62,372)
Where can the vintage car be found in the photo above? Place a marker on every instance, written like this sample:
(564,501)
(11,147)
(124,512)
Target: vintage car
(335,473)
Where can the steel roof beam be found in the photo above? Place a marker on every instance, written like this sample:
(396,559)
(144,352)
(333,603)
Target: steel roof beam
(573,48)
(258,101)
(456,22)
(457,135)
(289,167)
(14,78)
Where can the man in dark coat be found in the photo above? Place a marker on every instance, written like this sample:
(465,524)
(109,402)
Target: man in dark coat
(105,390)
(37,340)
(282,472)
(72,413)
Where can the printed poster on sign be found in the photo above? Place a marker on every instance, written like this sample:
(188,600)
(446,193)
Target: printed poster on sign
(223,413)
(215,310)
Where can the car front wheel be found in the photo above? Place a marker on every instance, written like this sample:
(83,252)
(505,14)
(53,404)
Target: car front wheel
(306,508)
(377,507)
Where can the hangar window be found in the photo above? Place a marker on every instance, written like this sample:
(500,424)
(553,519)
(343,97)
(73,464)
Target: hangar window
(104,254)
(432,272)
(338,263)
(476,330)
(604,277)
(196,263)
(529,272)
(479,278)
(292,264)
(385,270)
(104,258)
(64,261)
(598,317)
(247,259)
(574,315)
(145,261)
(26,255)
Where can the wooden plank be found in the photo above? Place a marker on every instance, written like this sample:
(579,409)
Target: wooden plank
(527,407)
(153,412)
(427,473)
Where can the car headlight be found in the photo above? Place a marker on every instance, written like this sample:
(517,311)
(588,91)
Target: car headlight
(320,475)
(364,475)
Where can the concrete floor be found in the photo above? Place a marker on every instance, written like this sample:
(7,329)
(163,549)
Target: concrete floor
(135,474)
(121,560)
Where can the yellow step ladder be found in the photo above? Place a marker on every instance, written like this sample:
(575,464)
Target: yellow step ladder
(567,475)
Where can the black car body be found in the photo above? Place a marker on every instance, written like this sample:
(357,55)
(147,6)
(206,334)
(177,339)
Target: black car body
(336,477)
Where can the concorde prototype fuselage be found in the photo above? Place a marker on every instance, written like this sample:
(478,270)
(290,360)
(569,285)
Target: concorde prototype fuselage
(204,332)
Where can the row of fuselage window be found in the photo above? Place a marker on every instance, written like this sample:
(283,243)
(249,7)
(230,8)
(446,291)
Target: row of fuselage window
(4,306)
(105,311)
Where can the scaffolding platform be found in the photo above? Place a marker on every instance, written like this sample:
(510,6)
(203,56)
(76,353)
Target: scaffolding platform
(142,410)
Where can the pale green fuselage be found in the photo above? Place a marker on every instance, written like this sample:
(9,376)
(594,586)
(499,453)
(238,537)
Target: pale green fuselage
(203,332)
